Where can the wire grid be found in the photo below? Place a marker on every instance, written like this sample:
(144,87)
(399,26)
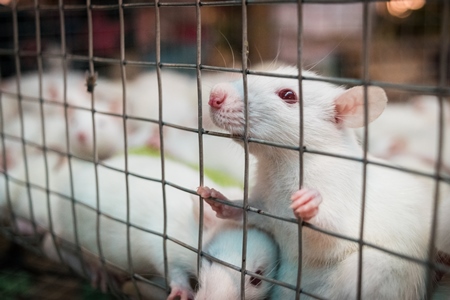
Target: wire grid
(441,90)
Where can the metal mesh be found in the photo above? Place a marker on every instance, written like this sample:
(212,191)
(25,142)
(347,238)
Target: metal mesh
(92,61)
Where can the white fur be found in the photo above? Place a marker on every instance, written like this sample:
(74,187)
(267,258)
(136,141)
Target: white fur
(146,211)
(109,129)
(54,128)
(397,209)
(109,132)
(19,196)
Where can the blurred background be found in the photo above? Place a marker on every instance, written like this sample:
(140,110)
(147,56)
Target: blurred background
(404,48)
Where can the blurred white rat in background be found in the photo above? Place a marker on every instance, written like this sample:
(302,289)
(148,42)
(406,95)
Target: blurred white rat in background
(146,213)
(109,131)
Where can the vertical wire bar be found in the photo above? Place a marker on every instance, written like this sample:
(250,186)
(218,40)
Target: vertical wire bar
(19,96)
(124,111)
(66,121)
(300,142)
(366,42)
(245,53)
(95,154)
(161,137)
(444,52)
(41,110)
(200,130)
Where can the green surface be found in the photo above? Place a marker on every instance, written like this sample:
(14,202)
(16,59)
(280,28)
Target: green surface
(217,176)
(14,284)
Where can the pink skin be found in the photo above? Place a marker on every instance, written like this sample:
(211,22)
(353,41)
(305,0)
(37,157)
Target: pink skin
(305,203)
(217,98)
(179,293)
(223,211)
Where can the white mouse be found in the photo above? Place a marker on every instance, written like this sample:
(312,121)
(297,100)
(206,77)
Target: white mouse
(217,281)
(55,136)
(19,197)
(397,208)
(53,93)
(109,131)
(146,213)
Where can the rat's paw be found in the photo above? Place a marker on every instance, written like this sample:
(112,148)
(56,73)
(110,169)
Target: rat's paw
(205,192)
(223,211)
(180,293)
(305,203)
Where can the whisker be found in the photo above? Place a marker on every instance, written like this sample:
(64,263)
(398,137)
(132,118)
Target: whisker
(229,45)
(223,57)
(275,60)
(329,53)
(260,56)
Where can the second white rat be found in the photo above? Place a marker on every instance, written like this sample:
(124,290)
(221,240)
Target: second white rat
(145,211)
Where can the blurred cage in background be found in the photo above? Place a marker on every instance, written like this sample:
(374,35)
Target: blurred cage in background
(407,53)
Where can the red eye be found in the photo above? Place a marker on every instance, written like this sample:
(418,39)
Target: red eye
(256,281)
(289,96)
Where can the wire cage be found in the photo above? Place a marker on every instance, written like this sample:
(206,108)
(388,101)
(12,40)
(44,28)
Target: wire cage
(106,134)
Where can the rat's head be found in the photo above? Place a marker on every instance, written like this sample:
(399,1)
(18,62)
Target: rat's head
(217,281)
(273,109)
(108,134)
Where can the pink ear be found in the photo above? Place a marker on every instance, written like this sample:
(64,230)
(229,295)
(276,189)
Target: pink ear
(350,106)
(53,93)
(116,106)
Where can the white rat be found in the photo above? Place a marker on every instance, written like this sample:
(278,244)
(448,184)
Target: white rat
(54,128)
(108,129)
(109,132)
(146,212)
(52,93)
(397,207)
(217,281)
(19,195)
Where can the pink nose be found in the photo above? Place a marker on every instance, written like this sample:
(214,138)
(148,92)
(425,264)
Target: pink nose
(217,98)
